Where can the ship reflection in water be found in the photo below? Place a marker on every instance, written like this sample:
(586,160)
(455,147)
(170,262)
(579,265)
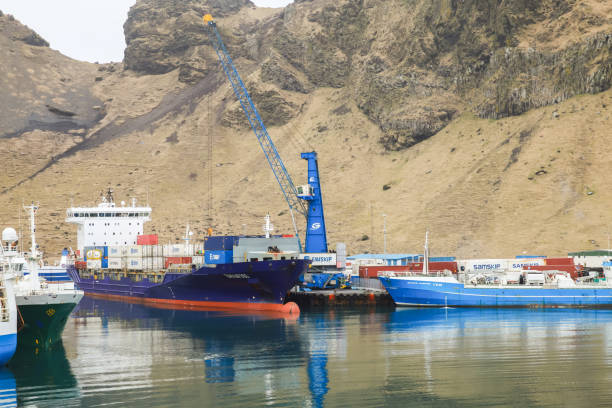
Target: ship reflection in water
(133,355)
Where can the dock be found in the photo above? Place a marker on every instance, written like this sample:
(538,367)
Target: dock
(341,298)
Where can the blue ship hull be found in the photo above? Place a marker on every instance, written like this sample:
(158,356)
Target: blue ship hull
(436,293)
(8,345)
(245,285)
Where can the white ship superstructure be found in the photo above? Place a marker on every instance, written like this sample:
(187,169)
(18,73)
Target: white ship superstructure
(107,224)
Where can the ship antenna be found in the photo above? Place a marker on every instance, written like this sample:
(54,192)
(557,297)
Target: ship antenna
(426,254)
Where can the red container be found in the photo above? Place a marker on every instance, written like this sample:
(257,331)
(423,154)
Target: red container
(559,261)
(147,239)
(177,260)
(80,264)
(372,271)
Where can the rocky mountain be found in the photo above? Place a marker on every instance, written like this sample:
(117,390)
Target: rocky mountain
(485,122)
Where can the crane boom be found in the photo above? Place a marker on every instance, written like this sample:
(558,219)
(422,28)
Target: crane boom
(316,237)
(278,168)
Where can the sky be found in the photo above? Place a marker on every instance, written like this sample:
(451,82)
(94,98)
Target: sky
(86,30)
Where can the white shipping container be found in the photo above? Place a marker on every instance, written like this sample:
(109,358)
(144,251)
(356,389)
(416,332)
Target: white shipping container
(117,251)
(116,263)
(94,264)
(198,260)
(152,250)
(487,265)
(175,250)
(134,251)
(134,263)
(153,263)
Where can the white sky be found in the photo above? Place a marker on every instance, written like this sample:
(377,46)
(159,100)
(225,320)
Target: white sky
(87,30)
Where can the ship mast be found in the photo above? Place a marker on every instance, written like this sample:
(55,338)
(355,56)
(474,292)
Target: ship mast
(426,255)
(32,208)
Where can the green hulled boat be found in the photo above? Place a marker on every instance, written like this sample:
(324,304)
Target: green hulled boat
(44,306)
(44,317)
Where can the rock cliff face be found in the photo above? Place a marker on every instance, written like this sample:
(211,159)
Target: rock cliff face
(42,89)
(468,118)
(163,35)
(410,65)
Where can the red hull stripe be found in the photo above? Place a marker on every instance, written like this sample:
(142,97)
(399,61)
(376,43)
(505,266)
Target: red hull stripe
(289,308)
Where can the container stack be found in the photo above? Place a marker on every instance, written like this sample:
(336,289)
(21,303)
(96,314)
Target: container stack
(219,249)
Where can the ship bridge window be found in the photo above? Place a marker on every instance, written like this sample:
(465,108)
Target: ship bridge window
(108,215)
(93,214)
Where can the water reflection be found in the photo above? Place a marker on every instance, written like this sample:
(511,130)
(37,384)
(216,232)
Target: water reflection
(44,376)
(134,355)
(8,388)
(479,355)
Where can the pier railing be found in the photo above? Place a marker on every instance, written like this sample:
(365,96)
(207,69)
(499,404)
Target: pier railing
(366,283)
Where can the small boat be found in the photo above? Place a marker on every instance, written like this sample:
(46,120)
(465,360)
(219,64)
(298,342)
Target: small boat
(495,289)
(44,306)
(8,306)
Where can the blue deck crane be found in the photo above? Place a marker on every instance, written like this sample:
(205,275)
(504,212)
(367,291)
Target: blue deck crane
(304,199)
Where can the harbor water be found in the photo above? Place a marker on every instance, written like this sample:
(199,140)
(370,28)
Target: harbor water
(120,354)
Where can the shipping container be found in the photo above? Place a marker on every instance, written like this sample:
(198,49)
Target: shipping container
(152,250)
(117,251)
(95,253)
(80,264)
(484,265)
(440,259)
(218,257)
(174,250)
(220,243)
(147,239)
(134,263)
(94,264)
(177,260)
(198,260)
(134,251)
(559,261)
(372,271)
(116,263)
(153,263)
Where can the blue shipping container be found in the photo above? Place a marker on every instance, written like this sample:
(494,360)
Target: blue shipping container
(442,259)
(530,256)
(220,243)
(218,257)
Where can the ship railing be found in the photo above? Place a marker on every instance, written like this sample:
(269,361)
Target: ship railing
(404,274)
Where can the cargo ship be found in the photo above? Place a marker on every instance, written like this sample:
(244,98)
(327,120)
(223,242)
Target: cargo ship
(225,272)
(495,288)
